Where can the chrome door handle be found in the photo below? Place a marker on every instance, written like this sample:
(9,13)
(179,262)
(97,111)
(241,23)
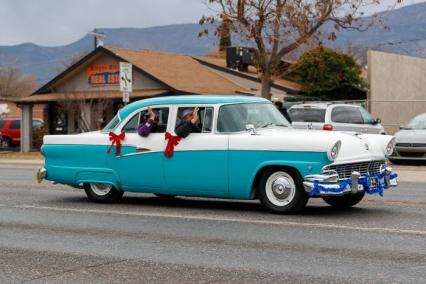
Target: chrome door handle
(141,150)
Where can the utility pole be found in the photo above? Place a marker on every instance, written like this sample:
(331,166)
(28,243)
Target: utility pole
(98,37)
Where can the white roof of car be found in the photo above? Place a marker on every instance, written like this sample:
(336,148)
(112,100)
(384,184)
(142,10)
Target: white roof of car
(320,105)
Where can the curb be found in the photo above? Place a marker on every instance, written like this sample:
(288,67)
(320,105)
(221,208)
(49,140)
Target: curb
(21,162)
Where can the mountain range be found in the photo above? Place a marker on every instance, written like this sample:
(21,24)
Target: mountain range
(405,34)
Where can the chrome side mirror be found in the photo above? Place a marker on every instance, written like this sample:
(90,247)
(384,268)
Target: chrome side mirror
(251,129)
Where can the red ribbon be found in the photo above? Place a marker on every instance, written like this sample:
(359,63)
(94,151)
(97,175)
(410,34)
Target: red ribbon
(173,141)
(116,140)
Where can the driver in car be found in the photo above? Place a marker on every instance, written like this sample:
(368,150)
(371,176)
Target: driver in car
(189,124)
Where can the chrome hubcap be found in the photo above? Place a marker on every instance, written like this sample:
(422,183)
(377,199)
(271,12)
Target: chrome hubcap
(280,188)
(101,189)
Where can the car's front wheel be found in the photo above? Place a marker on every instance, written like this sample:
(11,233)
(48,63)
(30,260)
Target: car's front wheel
(344,201)
(102,193)
(281,191)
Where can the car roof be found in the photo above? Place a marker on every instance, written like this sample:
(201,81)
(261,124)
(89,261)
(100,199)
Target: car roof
(312,105)
(322,105)
(189,99)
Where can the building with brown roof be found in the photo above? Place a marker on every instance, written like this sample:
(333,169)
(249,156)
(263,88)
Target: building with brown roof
(250,79)
(92,83)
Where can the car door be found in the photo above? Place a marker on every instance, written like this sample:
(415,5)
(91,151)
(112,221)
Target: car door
(15,131)
(347,118)
(199,164)
(140,165)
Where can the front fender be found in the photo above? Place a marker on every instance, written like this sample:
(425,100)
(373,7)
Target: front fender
(244,167)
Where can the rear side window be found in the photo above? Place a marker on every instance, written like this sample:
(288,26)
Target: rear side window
(2,123)
(307,114)
(16,124)
(162,116)
(132,125)
(347,115)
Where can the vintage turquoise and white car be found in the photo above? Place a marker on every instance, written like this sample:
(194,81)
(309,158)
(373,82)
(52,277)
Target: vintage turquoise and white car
(245,150)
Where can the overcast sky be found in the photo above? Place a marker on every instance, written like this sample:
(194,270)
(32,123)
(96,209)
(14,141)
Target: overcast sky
(59,22)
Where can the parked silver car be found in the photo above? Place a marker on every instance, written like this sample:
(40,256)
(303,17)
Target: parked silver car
(411,140)
(339,117)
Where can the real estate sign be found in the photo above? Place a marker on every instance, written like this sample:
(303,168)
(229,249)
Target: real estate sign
(103,74)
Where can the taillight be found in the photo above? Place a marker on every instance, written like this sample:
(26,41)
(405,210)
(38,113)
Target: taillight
(327,127)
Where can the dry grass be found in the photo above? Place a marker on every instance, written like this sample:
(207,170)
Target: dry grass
(21,156)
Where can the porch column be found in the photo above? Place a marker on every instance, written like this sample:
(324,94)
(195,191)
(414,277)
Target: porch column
(26,127)
(87,114)
(71,122)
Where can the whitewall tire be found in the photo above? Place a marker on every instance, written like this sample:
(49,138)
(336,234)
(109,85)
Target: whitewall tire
(281,191)
(102,193)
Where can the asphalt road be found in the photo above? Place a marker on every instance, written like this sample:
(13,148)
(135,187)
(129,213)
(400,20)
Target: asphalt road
(52,233)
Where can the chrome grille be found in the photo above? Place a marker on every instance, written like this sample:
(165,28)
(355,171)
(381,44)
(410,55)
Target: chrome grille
(414,145)
(364,168)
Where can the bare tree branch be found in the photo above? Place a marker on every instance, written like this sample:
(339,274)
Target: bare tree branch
(277,27)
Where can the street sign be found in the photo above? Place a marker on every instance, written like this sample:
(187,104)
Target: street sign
(126,80)
(126,97)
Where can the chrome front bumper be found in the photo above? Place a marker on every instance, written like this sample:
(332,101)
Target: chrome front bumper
(41,174)
(330,185)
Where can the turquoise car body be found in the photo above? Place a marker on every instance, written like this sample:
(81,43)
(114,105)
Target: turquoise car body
(227,173)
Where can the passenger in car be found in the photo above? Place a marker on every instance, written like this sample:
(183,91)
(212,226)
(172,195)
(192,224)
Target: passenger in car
(189,123)
(148,123)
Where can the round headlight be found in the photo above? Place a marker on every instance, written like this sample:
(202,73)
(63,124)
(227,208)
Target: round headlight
(390,147)
(334,152)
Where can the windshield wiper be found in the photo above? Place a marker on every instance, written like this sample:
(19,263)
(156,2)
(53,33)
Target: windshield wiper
(272,124)
(266,125)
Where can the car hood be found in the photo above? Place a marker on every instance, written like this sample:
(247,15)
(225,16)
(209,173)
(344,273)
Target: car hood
(354,147)
(411,136)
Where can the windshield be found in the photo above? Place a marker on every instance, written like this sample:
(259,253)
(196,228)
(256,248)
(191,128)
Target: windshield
(234,118)
(112,124)
(419,122)
(307,114)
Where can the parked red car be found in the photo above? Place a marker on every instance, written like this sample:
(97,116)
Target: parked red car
(10,131)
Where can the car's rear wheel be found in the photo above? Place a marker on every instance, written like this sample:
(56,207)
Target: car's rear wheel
(344,201)
(102,193)
(281,191)
(5,142)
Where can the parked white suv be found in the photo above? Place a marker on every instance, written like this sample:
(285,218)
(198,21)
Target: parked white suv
(339,117)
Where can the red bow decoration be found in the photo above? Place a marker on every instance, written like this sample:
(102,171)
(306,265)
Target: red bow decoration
(116,140)
(173,141)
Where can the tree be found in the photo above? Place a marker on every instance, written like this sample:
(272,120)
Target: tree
(277,27)
(14,84)
(88,112)
(225,35)
(323,71)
